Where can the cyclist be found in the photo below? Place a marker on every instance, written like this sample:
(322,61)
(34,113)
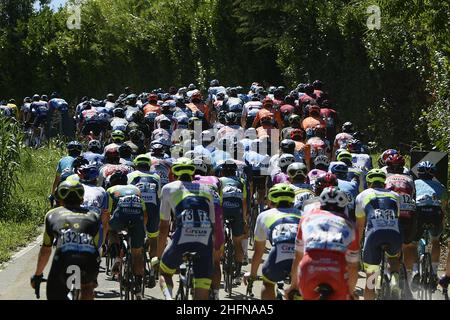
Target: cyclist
(150,186)
(118,138)
(431,202)
(302,149)
(268,111)
(326,250)
(202,176)
(279,174)
(404,186)
(251,109)
(350,188)
(192,207)
(74,231)
(235,199)
(297,176)
(312,121)
(118,122)
(152,106)
(279,226)
(161,162)
(112,164)
(355,174)
(377,213)
(74,149)
(294,122)
(128,213)
(126,155)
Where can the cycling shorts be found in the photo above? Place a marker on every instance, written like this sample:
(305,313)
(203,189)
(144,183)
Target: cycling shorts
(375,241)
(429,216)
(133,224)
(95,126)
(172,258)
(279,262)
(59,273)
(323,267)
(408,228)
(152,226)
(236,217)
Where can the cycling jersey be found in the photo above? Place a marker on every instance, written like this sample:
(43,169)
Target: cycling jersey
(214,183)
(152,108)
(303,192)
(58,104)
(310,123)
(328,242)
(118,124)
(405,171)
(362,161)
(234,193)
(351,190)
(278,226)
(94,158)
(340,142)
(430,193)
(330,118)
(150,186)
(95,198)
(192,206)
(64,164)
(128,208)
(162,167)
(404,186)
(107,170)
(130,111)
(318,147)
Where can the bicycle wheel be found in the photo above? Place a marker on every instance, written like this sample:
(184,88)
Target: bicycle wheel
(426,277)
(404,287)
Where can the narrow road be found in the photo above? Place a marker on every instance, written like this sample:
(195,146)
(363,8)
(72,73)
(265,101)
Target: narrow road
(15,279)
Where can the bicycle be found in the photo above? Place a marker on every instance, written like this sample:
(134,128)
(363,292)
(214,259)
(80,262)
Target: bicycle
(383,291)
(151,268)
(186,280)
(127,278)
(427,277)
(228,258)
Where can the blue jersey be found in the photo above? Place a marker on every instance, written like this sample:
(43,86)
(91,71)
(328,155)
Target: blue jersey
(351,190)
(278,226)
(430,193)
(64,164)
(150,186)
(94,158)
(40,108)
(58,104)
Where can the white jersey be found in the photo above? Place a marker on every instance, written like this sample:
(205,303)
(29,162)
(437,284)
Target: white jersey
(362,161)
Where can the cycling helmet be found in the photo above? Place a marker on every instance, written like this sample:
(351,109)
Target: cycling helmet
(281,192)
(143,160)
(228,166)
(354,146)
(333,196)
(385,155)
(27,100)
(344,156)
(231,118)
(125,151)
(119,113)
(267,102)
(191,154)
(347,127)
(94,145)
(119,177)
(152,98)
(339,168)
(118,136)
(36,97)
(88,173)
(214,83)
(285,160)
(320,131)
(191,87)
(395,160)
(44,97)
(376,175)
(112,154)
(272,89)
(314,109)
(321,160)
(322,182)
(196,96)
(201,166)
(295,119)
(426,168)
(69,189)
(183,166)
(74,146)
(297,169)
(309,89)
(287,146)
(317,84)
(192,121)
(297,134)
(136,135)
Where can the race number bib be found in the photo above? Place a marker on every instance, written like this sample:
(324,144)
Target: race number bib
(196,227)
(285,251)
(384,219)
(148,192)
(284,232)
(407,203)
(130,204)
(76,242)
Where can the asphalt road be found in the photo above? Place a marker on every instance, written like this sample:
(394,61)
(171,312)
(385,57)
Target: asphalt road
(15,277)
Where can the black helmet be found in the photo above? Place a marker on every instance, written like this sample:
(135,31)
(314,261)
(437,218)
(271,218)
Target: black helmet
(118,178)
(119,113)
(36,97)
(231,118)
(214,83)
(125,151)
(317,84)
(287,146)
(74,146)
(347,127)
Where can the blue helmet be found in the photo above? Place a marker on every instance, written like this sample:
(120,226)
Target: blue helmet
(88,173)
(339,168)
(426,168)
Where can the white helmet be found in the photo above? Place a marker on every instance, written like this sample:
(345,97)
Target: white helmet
(94,144)
(321,160)
(285,160)
(334,196)
(297,169)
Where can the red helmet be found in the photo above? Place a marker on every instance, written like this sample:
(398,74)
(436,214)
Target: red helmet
(296,133)
(395,160)
(267,101)
(153,97)
(325,181)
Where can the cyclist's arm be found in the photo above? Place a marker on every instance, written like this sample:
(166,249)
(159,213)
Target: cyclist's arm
(260,247)
(298,256)
(164,227)
(360,218)
(46,249)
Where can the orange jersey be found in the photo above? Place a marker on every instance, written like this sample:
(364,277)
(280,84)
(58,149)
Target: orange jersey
(311,123)
(152,108)
(265,112)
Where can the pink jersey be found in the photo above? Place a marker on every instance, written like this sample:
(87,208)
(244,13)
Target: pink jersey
(280,178)
(341,140)
(405,187)
(214,182)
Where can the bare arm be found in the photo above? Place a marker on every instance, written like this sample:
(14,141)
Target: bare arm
(44,256)
(294,269)
(260,246)
(163,234)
